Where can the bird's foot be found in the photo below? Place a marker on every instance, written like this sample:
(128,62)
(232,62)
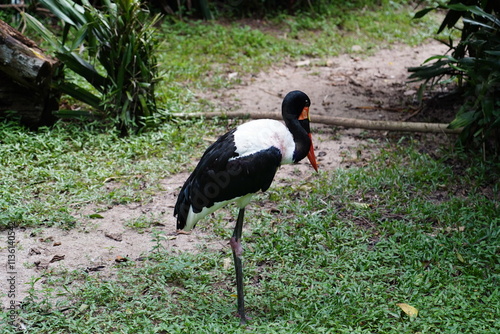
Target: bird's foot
(236,246)
(243,319)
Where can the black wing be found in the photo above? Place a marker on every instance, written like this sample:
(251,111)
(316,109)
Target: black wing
(222,175)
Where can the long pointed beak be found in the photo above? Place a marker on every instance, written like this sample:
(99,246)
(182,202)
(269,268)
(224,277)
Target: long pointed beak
(304,114)
(311,156)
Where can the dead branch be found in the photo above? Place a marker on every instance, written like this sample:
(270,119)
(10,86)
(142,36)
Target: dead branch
(18,6)
(339,121)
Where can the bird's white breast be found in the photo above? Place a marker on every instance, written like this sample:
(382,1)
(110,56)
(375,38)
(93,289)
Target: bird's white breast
(258,135)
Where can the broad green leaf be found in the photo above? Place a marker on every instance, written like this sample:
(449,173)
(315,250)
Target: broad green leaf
(65,11)
(477,23)
(83,68)
(423,12)
(439,57)
(450,20)
(40,28)
(475,10)
(462,119)
(429,72)
(80,94)
(56,10)
(79,37)
(69,113)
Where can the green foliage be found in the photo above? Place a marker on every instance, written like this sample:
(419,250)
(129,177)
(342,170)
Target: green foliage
(47,175)
(338,258)
(345,248)
(120,39)
(209,9)
(474,63)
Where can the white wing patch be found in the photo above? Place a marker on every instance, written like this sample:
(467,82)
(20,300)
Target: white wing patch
(193,217)
(258,135)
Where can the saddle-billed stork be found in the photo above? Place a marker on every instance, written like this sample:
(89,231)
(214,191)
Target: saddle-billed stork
(239,164)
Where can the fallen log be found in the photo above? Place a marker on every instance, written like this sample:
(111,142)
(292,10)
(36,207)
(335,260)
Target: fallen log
(339,121)
(28,106)
(26,74)
(23,60)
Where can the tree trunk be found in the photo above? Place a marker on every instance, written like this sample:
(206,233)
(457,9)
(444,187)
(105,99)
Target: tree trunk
(26,74)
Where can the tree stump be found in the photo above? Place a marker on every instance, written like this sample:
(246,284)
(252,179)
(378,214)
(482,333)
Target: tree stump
(26,75)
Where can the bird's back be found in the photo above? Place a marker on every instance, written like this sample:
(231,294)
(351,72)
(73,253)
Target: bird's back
(239,163)
(261,134)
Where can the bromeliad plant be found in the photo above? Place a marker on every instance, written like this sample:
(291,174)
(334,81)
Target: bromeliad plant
(474,63)
(118,59)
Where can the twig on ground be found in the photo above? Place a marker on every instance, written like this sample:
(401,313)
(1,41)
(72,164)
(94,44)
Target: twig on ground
(340,121)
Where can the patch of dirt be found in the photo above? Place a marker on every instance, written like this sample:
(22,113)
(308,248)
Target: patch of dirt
(349,86)
(352,86)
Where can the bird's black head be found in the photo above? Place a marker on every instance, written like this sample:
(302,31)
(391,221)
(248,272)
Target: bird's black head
(295,112)
(296,106)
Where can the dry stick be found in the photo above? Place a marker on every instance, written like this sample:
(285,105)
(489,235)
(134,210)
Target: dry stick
(13,6)
(340,121)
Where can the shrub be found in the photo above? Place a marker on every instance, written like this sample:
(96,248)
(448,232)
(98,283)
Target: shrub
(120,39)
(474,63)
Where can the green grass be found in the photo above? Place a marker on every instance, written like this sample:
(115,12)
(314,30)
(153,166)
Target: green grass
(345,248)
(200,54)
(336,259)
(48,174)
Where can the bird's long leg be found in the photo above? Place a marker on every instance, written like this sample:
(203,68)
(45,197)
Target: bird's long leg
(237,251)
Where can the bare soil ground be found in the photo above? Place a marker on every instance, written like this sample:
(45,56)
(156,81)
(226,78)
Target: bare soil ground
(352,86)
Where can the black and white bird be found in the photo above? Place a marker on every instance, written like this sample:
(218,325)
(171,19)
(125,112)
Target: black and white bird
(241,163)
